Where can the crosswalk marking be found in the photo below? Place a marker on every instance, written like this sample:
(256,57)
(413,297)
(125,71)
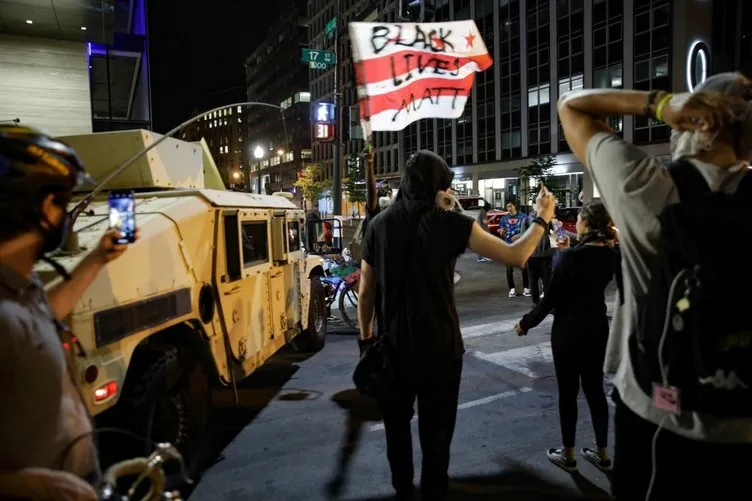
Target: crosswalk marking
(520,359)
(494,328)
(471,404)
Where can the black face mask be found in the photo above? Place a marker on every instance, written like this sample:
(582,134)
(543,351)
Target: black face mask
(54,236)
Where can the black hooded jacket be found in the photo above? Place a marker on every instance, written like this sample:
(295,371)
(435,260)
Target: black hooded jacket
(413,246)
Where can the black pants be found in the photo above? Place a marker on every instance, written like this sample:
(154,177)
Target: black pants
(685,469)
(437,414)
(510,278)
(538,268)
(579,350)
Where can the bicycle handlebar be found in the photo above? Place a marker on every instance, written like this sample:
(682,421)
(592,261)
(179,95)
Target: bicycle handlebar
(150,469)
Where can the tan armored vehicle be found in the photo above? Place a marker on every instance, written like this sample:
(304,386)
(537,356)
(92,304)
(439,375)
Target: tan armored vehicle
(216,284)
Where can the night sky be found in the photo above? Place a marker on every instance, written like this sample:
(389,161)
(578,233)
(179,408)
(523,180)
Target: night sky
(198,48)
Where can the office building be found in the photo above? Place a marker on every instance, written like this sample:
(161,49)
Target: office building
(279,141)
(732,36)
(225,133)
(541,49)
(322,14)
(75,66)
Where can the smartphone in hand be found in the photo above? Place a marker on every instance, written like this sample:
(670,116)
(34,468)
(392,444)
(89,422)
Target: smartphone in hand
(123,215)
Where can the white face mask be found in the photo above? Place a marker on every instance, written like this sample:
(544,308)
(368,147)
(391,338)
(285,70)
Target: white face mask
(689,144)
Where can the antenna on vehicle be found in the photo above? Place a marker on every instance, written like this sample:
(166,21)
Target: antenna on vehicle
(83,204)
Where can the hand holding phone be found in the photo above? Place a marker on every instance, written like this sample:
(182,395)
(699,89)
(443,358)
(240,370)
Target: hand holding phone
(123,216)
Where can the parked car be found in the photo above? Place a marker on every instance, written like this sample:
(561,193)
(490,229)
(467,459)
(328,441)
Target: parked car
(494,220)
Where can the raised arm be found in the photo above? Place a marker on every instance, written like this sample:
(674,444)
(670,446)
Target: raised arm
(583,112)
(517,253)
(372,198)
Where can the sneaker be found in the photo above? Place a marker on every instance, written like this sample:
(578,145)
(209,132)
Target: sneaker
(512,292)
(593,458)
(526,292)
(556,456)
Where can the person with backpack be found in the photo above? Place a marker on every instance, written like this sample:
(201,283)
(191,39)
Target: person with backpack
(580,332)
(680,342)
(406,281)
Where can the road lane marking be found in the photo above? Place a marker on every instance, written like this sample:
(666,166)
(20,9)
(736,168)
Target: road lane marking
(471,404)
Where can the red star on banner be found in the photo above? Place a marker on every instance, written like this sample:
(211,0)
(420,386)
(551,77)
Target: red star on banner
(470,38)
(438,43)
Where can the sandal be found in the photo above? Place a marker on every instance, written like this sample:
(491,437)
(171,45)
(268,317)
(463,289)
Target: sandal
(592,457)
(556,456)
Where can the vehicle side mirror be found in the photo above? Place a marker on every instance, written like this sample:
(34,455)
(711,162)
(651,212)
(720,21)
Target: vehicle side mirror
(323,237)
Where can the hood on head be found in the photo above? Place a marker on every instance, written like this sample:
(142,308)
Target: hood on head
(425,174)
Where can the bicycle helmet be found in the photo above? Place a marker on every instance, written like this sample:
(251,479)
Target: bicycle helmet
(32,162)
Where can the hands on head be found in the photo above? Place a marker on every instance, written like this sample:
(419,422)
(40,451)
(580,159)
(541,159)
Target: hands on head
(702,111)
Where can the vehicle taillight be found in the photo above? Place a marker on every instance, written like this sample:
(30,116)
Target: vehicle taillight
(106,391)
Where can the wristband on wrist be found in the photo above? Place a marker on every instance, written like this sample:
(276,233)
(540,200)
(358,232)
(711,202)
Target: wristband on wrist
(661,106)
(540,221)
(650,103)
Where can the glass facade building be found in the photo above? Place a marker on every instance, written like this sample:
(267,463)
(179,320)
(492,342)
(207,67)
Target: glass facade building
(542,49)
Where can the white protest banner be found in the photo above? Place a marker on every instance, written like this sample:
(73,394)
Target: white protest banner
(409,71)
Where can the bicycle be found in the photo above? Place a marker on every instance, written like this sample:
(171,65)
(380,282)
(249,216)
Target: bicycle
(148,469)
(341,282)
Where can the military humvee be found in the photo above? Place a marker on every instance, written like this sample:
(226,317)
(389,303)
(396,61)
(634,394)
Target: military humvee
(215,285)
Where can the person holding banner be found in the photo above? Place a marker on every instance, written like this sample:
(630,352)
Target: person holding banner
(409,256)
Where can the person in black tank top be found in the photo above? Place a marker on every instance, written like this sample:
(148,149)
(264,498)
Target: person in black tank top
(580,332)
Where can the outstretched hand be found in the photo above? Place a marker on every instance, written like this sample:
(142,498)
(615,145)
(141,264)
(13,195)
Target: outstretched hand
(545,204)
(519,331)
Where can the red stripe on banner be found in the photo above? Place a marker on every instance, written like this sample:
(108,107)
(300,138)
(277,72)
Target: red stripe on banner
(415,95)
(418,63)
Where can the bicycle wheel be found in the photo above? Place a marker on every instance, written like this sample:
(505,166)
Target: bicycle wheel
(348,305)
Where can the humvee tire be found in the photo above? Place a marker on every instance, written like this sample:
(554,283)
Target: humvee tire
(171,402)
(313,338)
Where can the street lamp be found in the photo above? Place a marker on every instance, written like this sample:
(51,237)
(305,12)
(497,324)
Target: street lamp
(280,152)
(236,175)
(258,153)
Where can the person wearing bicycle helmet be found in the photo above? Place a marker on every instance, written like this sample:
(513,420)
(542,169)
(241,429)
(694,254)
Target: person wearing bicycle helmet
(46,449)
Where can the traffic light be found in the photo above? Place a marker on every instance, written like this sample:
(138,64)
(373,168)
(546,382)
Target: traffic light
(417,11)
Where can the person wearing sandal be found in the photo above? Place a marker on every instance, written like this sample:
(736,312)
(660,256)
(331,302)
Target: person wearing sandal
(580,332)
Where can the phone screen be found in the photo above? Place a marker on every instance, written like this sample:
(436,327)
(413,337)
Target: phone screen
(123,216)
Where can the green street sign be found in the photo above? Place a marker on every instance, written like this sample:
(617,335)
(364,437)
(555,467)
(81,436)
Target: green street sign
(331,26)
(318,56)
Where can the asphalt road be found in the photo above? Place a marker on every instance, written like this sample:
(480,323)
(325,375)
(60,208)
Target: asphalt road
(285,441)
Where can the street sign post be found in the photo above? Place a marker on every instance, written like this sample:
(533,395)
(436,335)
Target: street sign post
(331,26)
(318,56)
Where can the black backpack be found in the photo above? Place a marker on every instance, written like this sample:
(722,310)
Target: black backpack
(694,325)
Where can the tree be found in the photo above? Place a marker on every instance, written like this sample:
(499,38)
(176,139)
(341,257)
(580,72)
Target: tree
(355,186)
(541,171)
(311,183)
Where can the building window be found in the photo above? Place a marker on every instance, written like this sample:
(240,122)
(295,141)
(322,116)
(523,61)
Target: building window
(570,16)
(464,124)
(538,78)
(410,137)
(302,97)
(510,83)
(484,87)
(652,46)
